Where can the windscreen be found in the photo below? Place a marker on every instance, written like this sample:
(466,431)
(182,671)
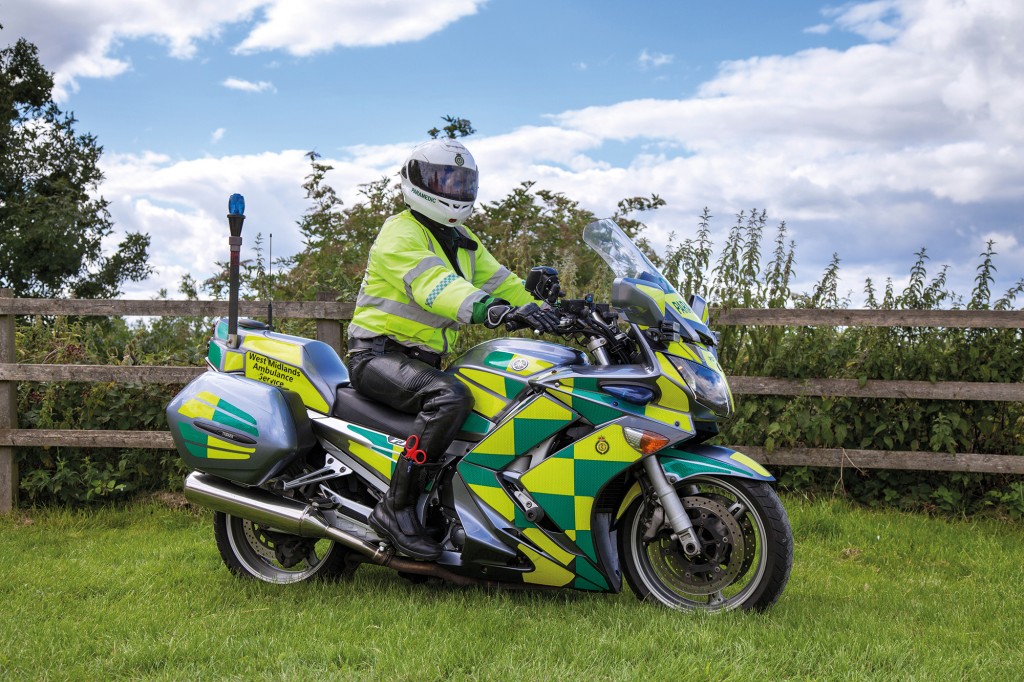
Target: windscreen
(627,260)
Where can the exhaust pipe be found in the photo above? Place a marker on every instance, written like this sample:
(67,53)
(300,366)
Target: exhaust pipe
(260,506)
(290,516)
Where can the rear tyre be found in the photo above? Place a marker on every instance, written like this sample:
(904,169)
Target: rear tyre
(747,547)
(251,550)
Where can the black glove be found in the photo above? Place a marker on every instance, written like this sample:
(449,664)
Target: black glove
(529,316)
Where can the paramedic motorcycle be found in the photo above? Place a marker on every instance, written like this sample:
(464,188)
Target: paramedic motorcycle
(574,467)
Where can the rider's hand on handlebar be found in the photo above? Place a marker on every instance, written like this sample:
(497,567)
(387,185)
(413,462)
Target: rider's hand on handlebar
(528,316)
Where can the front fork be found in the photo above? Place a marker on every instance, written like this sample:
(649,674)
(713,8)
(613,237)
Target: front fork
(675,515)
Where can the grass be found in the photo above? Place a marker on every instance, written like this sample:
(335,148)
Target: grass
(140,593)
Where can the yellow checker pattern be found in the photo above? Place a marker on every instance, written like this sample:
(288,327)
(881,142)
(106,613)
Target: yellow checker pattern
(540,418)
(564,485)
(485,402)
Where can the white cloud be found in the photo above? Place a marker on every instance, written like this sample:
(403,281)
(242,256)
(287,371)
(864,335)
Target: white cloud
(248,86)
(912,139)
(649,60)
(318,25)
(876,21)
(80,38)
(182,203)
(217,135)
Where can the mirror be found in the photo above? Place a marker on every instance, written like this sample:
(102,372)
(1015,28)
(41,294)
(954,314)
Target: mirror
(700,307)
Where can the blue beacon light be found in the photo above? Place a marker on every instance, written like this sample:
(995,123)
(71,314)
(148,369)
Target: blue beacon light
(236,205)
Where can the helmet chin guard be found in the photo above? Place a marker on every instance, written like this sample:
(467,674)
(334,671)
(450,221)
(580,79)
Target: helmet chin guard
(439,180)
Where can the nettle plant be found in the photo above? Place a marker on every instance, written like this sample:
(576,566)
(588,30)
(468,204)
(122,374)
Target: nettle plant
(737,279)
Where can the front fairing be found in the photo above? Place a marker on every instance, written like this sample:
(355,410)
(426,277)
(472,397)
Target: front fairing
(692,380)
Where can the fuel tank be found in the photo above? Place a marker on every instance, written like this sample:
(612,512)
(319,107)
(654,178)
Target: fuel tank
(497,371)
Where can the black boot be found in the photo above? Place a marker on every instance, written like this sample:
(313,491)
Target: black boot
(395,516)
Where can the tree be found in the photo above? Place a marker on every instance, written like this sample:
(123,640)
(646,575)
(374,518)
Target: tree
(337,239)
(52,220)
(457,127)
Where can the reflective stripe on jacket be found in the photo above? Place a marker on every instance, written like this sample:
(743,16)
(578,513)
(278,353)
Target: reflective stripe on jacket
(411,292)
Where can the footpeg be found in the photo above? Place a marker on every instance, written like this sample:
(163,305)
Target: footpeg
(323,503)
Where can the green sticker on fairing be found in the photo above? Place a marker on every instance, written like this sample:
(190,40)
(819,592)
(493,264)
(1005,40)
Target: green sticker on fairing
(476,424)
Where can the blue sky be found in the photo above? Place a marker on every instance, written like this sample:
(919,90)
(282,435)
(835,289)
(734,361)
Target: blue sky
(871,128)
(510,64)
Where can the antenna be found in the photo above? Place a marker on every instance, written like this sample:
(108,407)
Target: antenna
(270,285)
(236,216)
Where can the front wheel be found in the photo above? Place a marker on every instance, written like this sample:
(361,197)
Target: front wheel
(746,554)
(251,550)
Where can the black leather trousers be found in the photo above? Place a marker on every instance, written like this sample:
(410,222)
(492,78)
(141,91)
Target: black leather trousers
(441,401)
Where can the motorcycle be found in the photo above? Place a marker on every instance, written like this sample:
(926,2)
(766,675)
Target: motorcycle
(576,468)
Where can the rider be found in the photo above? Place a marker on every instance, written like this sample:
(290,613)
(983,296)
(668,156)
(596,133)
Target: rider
(427,275)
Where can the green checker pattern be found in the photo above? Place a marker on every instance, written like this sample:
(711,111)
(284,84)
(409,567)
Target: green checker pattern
(534,422)
(441,286)
(585,396)
(582,570)
(565,484)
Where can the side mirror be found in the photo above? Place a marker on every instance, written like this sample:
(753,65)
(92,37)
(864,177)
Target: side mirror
(700,307)
(543,284)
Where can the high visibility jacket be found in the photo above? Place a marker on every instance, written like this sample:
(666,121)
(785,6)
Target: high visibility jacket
(411,293)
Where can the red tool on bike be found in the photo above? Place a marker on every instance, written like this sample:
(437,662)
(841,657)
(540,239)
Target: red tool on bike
(413,452)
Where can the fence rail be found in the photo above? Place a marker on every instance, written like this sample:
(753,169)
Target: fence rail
(342,310)
(328,313)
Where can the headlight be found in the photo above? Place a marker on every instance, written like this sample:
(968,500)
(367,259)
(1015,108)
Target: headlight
(708,386)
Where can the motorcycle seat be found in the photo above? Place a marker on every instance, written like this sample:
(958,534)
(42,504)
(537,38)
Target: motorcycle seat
(355,408)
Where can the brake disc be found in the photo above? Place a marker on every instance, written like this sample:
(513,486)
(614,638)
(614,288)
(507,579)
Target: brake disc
(749,537)
(287,550)
(724,548)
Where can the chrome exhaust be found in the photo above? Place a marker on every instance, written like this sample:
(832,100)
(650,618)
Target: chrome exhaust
(260,506)
(290,516)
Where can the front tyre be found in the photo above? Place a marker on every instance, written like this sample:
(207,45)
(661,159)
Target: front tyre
(251,550)
(747,547)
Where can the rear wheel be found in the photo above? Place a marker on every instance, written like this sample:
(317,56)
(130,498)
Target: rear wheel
(746,555)
(251,550)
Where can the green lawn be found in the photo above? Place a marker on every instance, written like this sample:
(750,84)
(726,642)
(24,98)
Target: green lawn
(141,593)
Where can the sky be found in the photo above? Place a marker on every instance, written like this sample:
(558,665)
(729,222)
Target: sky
(872,129)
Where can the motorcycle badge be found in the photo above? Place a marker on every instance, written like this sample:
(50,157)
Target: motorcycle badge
(519,364)
(602,446)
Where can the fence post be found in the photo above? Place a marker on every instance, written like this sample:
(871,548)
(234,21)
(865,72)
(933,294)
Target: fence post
(8,415)
(329,331)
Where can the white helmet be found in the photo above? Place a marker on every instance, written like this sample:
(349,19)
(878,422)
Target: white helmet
(439,180)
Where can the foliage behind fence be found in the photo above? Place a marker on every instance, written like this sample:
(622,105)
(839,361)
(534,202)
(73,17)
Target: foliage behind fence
(533,226)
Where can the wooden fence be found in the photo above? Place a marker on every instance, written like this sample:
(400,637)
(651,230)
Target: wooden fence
(328,313)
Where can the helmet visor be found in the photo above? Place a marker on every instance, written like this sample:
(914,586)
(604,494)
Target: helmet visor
(455,183)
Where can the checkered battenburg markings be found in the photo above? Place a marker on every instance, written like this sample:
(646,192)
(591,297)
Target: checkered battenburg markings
(564,485)
(532,424)
(439,288)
